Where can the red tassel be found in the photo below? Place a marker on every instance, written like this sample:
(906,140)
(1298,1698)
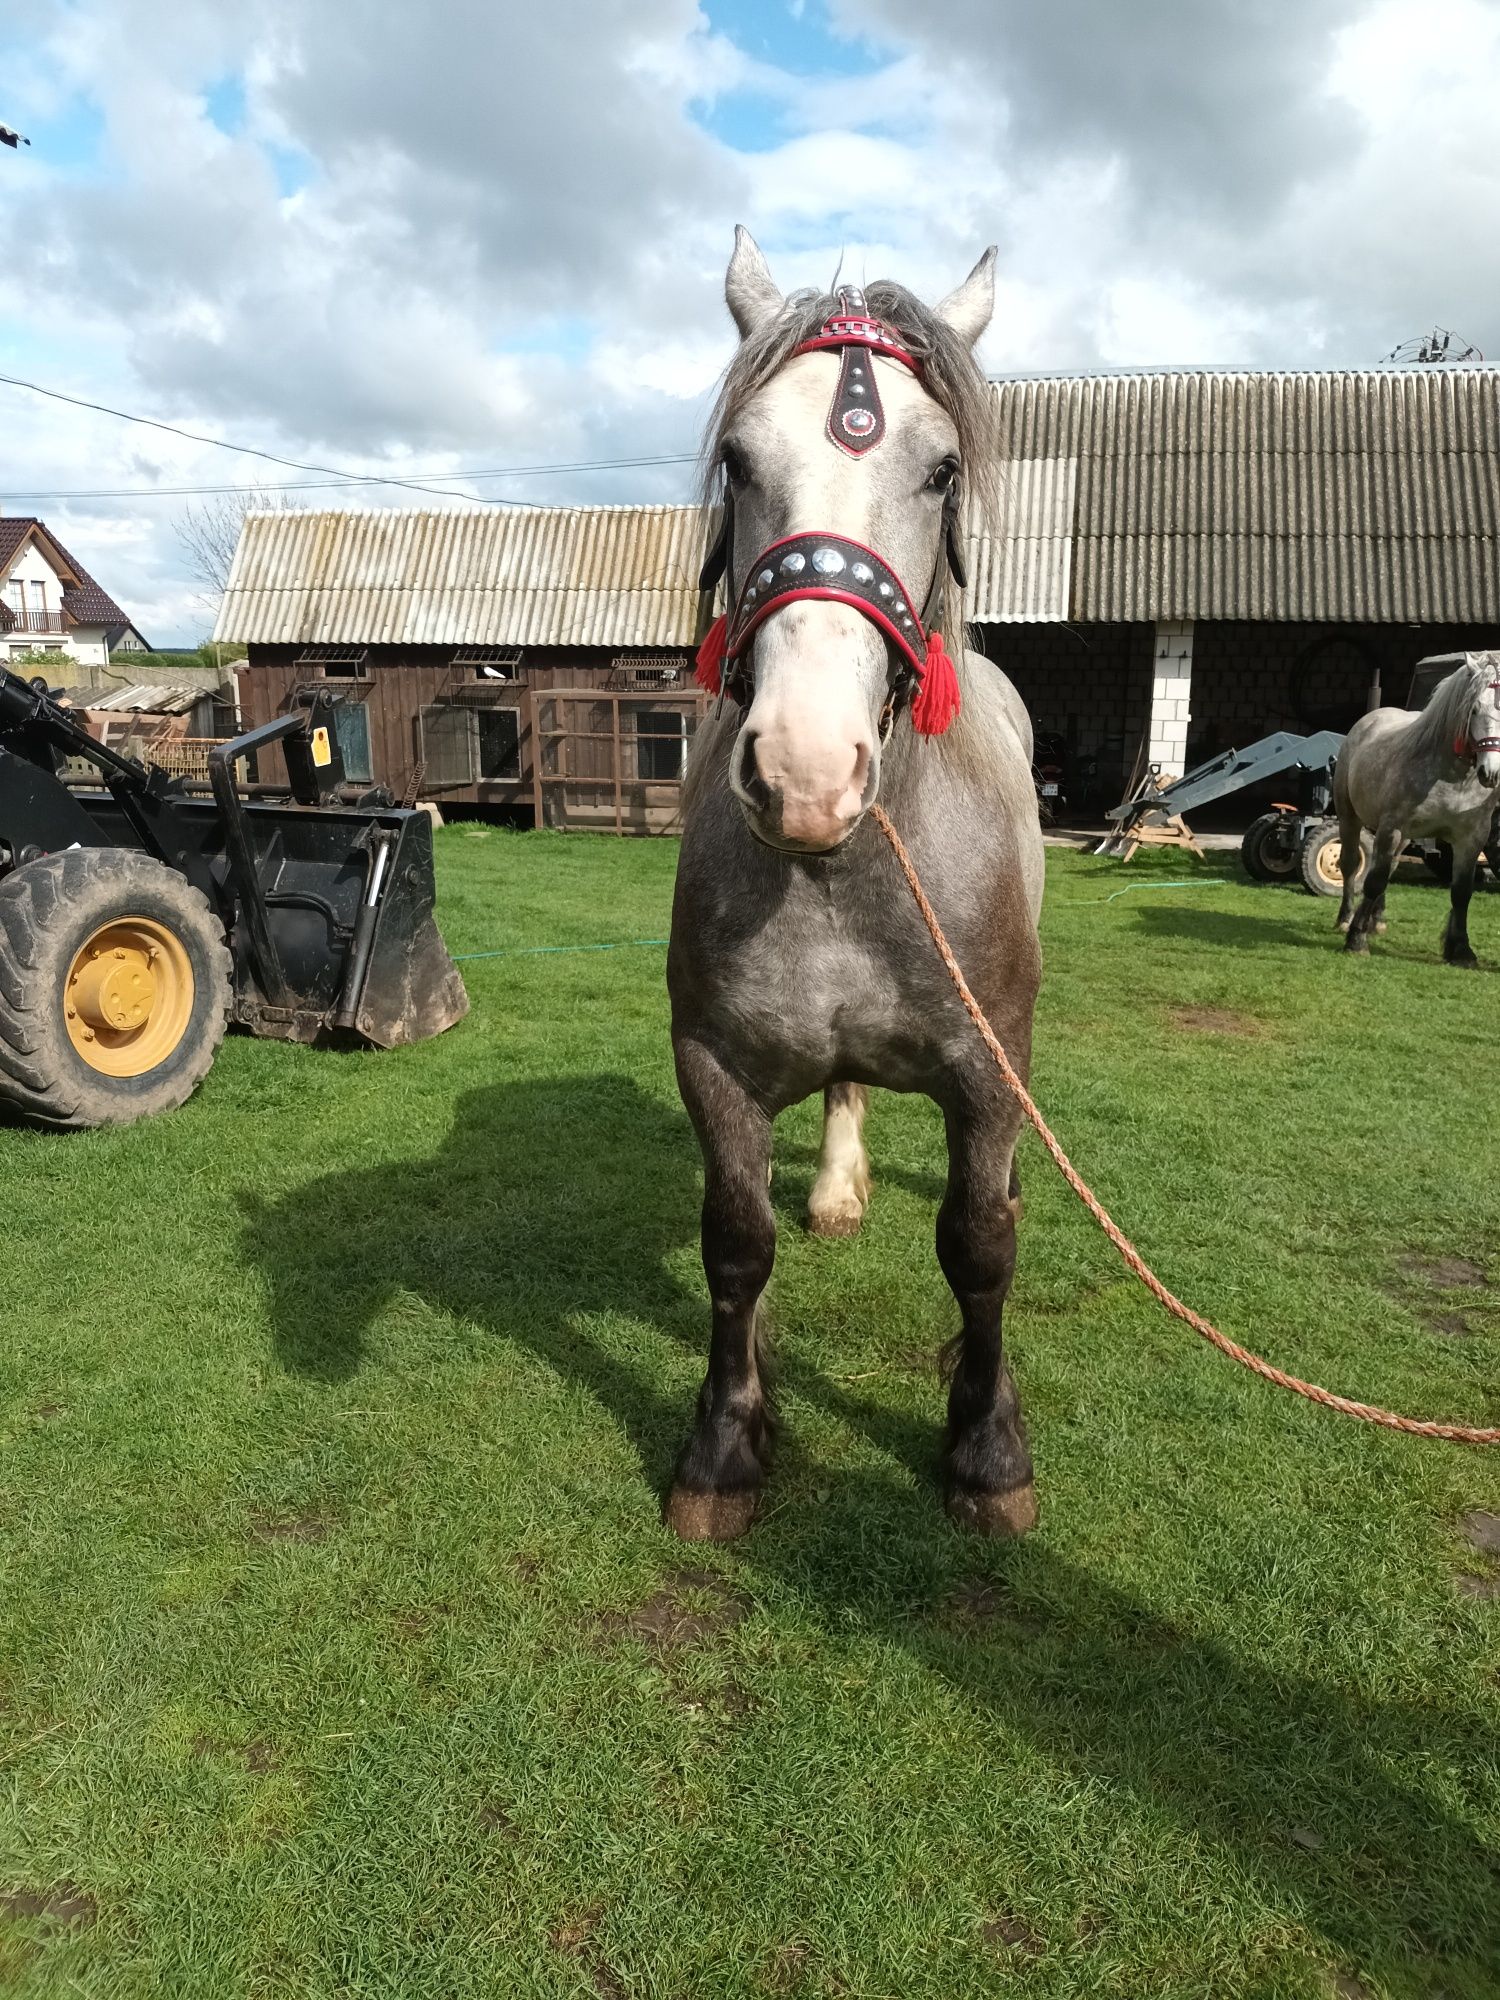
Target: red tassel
(938,701)
(1461,744)
(711,657)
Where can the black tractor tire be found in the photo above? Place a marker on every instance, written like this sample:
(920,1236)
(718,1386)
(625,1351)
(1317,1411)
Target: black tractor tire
(1318,859)
(50,909)
(1268,850)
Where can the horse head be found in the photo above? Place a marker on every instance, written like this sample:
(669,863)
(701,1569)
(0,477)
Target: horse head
(844,430)
(1482,731)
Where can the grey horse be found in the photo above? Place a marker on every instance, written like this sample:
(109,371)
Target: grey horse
(798,962)
(1432,774)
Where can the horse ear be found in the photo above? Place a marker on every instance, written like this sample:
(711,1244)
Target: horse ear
(967,310)
(748,285)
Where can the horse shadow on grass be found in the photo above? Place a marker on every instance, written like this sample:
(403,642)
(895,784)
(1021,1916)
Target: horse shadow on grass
(556,1203)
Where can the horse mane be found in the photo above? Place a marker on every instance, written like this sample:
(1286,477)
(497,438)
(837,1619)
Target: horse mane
(950,375)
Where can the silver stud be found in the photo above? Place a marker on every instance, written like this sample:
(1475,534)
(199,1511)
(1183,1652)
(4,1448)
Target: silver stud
(827,562)
(766,579)
(856,388)
(901,607)
(750,595)
(886,591)
(791,564)
(861,572)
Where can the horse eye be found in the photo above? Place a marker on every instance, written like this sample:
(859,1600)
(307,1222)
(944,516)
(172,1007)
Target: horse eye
(943,476)
(735,467)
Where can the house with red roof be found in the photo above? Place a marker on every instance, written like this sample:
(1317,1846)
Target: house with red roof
(50,604)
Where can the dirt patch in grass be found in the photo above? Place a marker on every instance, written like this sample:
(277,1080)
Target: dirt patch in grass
(1447,1326)
(45,1412)
(574,1938)
(1446,1272)
(977,1606)
(690,1607)
(64,1903)
(1481,1528)
(1347,1987)
(1215,1021)
(1007,1932)
(420,1621)
(1486,1588)
(313,1526)
(258,1757)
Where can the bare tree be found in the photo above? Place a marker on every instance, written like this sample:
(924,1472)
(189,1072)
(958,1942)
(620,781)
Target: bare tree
(208,533)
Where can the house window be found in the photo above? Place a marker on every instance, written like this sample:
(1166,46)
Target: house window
(660,743)
(351,725)
(39,598)
(499,742)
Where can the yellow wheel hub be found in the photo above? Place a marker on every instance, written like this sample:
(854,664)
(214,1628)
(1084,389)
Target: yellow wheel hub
(129,996)
(1327,862)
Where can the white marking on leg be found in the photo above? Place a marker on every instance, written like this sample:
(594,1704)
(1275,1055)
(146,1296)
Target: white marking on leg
(842,1189)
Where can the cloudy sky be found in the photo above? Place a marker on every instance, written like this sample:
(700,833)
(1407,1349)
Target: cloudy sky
(475,235)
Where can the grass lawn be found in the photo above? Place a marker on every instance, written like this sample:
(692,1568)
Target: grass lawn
(342,1651)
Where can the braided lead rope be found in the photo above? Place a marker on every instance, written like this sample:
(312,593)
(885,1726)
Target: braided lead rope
(1455,1433)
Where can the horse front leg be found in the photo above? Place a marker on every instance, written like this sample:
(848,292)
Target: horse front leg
(717,1484)
(987,1463)
(1456,947)
(1388,846)
(841,1191)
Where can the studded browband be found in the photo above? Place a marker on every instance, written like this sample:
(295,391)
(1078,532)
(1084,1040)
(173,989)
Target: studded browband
(830,567)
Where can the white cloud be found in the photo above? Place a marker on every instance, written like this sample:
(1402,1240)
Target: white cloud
(506,230)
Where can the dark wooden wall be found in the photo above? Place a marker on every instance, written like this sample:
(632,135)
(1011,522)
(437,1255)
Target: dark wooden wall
(399,682)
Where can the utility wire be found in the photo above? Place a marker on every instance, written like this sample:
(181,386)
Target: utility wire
(338,477)
(354,480)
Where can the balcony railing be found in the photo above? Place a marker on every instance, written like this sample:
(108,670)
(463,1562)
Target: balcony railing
(34,621)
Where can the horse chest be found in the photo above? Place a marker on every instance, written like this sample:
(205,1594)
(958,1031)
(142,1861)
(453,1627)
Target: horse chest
(820,1006)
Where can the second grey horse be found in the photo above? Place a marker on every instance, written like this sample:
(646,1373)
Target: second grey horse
(1433,774)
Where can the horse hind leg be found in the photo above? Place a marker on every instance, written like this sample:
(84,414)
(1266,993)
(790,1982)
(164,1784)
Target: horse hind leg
(1372,903)
(1351,858)
(716,1488)
(841,1192)
(987,1462)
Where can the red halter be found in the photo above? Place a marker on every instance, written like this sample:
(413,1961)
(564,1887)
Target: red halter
(831,567)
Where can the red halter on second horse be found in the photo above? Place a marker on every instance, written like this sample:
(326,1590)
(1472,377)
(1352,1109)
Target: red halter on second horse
(832,567)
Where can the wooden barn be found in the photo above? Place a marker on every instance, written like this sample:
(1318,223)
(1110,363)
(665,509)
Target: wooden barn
(535,661)
(1187,560)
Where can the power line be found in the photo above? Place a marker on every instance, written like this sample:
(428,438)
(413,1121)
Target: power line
(353,480)
(338,476)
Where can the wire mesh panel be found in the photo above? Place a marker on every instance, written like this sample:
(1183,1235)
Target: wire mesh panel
(446,743)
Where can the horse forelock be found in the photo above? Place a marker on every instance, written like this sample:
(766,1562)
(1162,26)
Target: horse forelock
(950,376)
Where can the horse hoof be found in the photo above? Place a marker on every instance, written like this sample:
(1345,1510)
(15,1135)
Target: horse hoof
(1469,964)
(1000,1515)
(1358,944)
(1342,926)
(836,1221)
(709,1517)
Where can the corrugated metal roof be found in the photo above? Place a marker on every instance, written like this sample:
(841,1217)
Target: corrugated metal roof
(523,576)
(1361,496)
(1022,574)
(559,576)
(145,698)
(1357,496)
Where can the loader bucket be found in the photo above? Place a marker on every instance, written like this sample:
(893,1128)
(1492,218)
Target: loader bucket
(412,988)
(351,947)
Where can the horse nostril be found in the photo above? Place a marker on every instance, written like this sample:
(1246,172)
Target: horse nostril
(751,783)
(866,779)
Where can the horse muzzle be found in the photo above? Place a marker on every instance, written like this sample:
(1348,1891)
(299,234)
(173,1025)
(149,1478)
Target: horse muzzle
(805,766)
